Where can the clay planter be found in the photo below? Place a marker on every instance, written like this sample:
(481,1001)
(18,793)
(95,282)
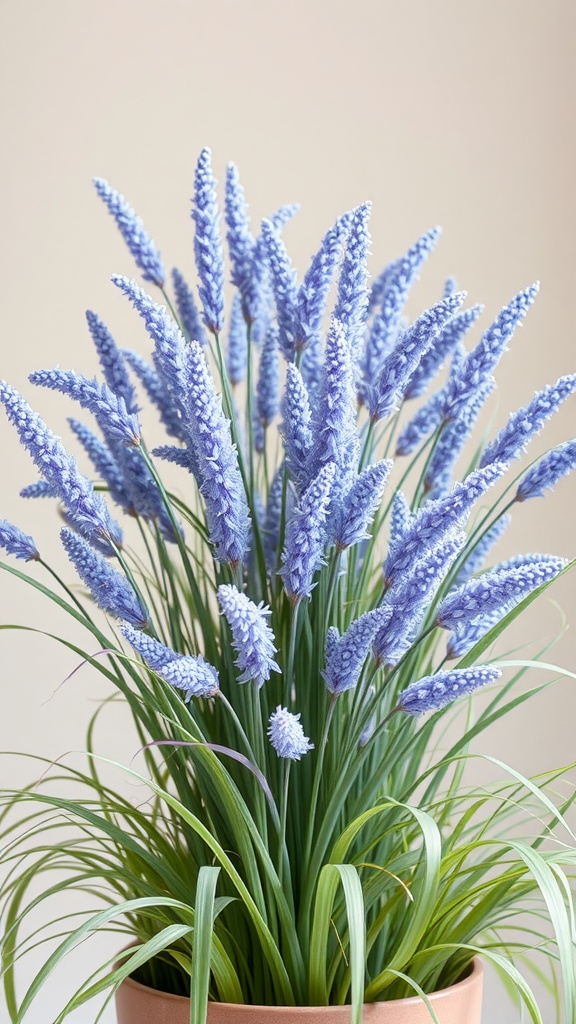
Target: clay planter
(459,1004)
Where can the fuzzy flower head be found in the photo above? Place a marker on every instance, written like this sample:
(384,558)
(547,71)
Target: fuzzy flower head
(525,423)
(112,362)
(390,292)
(398,368)
(306,534)
(17,543)
(313,291)
(157,392)
(207,244)
(438,691)
(346,654)
(59,469)
(111,591)
(495,589)
(360,504)
(352,297)
(222,487)
(546,473)
(296,430)
(109,410)
(481,362)
(195,676)
(436,519)
(133,232)
(284,284)
(287,735)
(239,236)
(252,638)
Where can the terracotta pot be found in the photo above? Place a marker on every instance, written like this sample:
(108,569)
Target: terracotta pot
(459,1004)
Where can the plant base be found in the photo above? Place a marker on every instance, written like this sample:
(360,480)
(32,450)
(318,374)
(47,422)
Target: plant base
(459,1004)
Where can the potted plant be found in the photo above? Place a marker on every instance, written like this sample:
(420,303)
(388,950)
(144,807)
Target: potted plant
(292,622)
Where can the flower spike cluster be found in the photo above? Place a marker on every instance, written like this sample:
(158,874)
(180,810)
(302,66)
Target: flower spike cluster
(193,675)
(334,579)
(59,469)
(252,638)
(111,591)
(207,244)
(546,473)
(17,543)
(495,589)
(287,735)
(432,693)
(390,292)
(306,534)
(133,232)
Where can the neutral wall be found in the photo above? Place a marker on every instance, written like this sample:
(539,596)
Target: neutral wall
(443,112)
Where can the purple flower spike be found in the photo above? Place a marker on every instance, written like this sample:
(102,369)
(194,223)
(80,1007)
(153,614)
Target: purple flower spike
(313,292)
(257,298)
(398,367)
(152,651)
(409,598)
(523,424)
(546,473)
(110,410)
(450,286)
(111,591)
(346,654)
(169,344)
(438,691)
(267,400)
(436,519)
(40,489)
(400,519)
(133,232)
(193,675)
(305,535)
(285,288)
(17,543)
(112,362)
(296,429)
(252,638)
(239,236)
(157,392)
(287,735)
(59,469)
(187,310)
(222,487)
(361,504)
(446,341)
(334,426)
(495,589)
(352,298)
(391,292)
(207,244)
(481,362)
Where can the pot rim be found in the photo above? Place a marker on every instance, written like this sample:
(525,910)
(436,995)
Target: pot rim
(471,978)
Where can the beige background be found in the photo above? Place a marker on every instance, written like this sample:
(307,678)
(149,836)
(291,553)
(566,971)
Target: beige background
(443,112)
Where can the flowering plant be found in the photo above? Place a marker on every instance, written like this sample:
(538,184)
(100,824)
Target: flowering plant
(279,622)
